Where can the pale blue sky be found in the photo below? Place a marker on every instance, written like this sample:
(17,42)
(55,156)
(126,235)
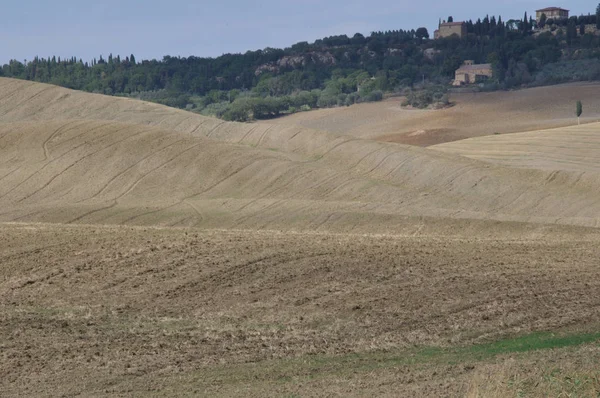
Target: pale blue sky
(152,28)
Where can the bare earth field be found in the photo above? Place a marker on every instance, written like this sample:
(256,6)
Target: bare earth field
(148,251)
(93,310)
(473,115)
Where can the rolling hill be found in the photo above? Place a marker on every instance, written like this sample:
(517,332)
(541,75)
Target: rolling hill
(571,149)
(148,251)
(473,115)
(74,157)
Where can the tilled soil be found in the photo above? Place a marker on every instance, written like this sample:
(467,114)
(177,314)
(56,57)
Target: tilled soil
(93,310)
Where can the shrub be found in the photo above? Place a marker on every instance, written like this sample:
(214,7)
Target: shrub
(376,95)
(236,115)
(216,109)
(436,95)
(341,100)
(327,99)
(352,99)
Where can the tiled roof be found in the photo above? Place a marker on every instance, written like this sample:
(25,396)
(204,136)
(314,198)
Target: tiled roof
(469,68)
(452,23)
(552,9)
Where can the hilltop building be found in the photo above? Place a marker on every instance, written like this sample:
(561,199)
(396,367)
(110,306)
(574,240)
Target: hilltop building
(552,12)
(471,73)
(448,29)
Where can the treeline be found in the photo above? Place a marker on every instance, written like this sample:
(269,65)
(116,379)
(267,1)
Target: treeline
(574,20)
(333,71)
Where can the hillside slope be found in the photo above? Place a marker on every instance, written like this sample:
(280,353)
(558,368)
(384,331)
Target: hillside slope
(573,149)
(472,115)
(74,157)
(323,264)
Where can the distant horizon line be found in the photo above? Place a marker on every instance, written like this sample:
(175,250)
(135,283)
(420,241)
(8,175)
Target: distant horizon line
(150,59)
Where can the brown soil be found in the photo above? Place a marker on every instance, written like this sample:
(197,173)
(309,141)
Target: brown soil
(140,309)
(151,251)
(473,115)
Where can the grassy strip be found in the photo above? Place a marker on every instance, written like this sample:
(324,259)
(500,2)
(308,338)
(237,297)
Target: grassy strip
(531,342)
(313,367)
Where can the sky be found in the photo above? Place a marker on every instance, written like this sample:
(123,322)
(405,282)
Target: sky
(150,29)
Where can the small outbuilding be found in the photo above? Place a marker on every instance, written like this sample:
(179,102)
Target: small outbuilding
(471,73)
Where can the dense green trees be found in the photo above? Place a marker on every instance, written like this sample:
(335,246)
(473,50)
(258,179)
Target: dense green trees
(422,33)
(333,71)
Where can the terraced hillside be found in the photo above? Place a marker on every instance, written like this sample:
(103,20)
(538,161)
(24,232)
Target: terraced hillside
(71,157)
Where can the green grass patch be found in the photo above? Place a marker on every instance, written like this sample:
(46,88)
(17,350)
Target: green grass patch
(531,342)
(320,366)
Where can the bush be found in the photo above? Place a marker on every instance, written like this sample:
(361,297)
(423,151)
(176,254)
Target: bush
(352,99)
(239,111)
(341,100)
(236,115)
(374,96)
(436,95)
(327,99)
(217,109)
(267,108)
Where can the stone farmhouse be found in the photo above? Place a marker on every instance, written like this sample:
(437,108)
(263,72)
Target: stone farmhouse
(471,73)
(448,29)
(552,12)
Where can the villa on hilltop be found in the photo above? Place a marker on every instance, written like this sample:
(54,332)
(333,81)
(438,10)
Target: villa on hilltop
(471,73)
(447,29)
(552,12)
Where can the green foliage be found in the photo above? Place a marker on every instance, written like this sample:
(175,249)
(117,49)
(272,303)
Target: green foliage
(367,363)
(579,108)
(542,21)
(422,33)
(374,96)
(333,71)
(239,111)
(432,96)
(217,109)
(571,32)
(567,71)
